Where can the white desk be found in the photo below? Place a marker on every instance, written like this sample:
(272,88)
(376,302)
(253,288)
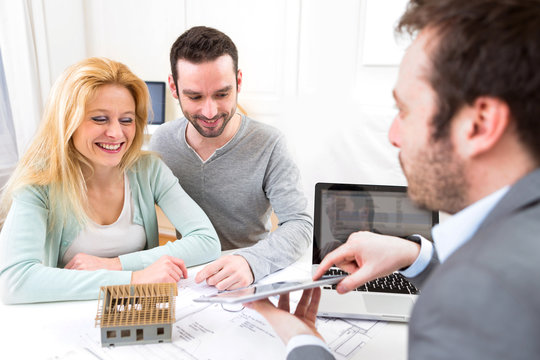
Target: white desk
(65,330)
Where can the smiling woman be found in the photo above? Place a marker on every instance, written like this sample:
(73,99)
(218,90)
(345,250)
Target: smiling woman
(83,196)
(108,127)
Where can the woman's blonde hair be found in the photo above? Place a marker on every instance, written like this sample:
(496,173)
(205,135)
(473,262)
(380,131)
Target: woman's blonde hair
(51,159)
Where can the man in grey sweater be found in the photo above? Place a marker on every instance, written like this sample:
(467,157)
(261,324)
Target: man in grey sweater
(237,169)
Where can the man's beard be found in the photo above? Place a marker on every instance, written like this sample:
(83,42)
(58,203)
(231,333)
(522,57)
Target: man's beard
(205,132)
(209,132)
(436,178)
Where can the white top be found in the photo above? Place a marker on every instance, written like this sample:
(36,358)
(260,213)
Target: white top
(118,238)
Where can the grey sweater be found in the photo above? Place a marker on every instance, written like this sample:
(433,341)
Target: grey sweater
(238,186)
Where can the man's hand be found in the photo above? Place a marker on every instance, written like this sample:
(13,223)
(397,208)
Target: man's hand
(167,269)
(227,272)
(287,325)
(83,261)
(367,256)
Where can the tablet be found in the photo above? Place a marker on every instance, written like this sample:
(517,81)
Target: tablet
(261,291)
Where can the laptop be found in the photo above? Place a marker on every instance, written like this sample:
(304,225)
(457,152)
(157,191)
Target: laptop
(341,209)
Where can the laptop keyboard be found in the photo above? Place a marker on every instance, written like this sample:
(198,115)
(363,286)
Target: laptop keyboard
(393,283)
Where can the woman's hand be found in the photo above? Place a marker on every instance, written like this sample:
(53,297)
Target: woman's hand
(166,270)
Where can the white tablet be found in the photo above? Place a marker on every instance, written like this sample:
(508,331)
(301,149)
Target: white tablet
(261,291)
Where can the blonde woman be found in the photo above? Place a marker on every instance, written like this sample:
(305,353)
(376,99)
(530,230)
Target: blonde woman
(78,212)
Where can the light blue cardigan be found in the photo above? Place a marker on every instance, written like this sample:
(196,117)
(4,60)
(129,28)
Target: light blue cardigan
(29,254)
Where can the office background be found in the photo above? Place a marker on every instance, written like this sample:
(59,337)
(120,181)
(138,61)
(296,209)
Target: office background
(322,71)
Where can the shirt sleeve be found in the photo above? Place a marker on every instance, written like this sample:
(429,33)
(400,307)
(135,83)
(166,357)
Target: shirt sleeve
(199,243)
(29,256)
(294,234)
(307,340)
(422,261)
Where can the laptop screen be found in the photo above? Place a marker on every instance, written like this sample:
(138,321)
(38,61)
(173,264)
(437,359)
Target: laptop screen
(341,209)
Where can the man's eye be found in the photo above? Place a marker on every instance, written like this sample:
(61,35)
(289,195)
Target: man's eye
(223,95)
(100,119)
(194,97)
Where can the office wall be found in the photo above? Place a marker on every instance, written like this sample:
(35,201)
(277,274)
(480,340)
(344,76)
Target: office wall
(320,70)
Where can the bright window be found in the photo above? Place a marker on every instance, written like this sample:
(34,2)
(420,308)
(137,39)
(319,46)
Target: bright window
(8,147)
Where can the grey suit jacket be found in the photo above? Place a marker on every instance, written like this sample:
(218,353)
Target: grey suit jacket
(483,302)
(310,352)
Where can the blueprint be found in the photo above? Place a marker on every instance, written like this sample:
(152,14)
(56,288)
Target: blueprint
(205,331)
(346,337)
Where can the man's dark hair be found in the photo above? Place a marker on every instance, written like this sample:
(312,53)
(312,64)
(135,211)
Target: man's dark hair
(201,44)
(483,48)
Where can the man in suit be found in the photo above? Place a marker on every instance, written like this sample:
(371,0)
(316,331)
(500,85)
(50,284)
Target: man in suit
(468,95)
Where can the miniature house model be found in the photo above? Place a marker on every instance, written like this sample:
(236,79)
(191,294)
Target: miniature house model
(136,314)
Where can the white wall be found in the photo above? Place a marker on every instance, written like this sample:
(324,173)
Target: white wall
(320,70)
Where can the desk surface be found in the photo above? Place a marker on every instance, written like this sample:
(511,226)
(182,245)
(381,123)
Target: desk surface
(65,330)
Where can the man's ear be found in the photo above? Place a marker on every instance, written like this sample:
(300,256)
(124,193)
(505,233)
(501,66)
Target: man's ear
(482,125)
(239,80)
(172,87)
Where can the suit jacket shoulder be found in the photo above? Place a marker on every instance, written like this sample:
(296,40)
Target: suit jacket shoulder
(483,301)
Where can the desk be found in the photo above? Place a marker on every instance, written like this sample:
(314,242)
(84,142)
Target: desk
(65,330)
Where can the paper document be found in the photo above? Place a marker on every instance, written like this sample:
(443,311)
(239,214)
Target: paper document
(212,331)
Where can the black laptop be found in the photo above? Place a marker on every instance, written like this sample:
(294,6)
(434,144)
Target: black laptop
(341,209)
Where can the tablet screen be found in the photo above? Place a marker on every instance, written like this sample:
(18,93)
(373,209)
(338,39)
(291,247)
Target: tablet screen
(261,291)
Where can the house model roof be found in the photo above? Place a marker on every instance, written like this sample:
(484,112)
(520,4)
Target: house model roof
(136,304)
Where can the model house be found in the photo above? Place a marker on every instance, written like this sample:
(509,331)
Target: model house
(136,314)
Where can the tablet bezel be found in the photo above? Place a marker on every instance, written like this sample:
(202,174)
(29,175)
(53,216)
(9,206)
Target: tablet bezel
(294,285)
